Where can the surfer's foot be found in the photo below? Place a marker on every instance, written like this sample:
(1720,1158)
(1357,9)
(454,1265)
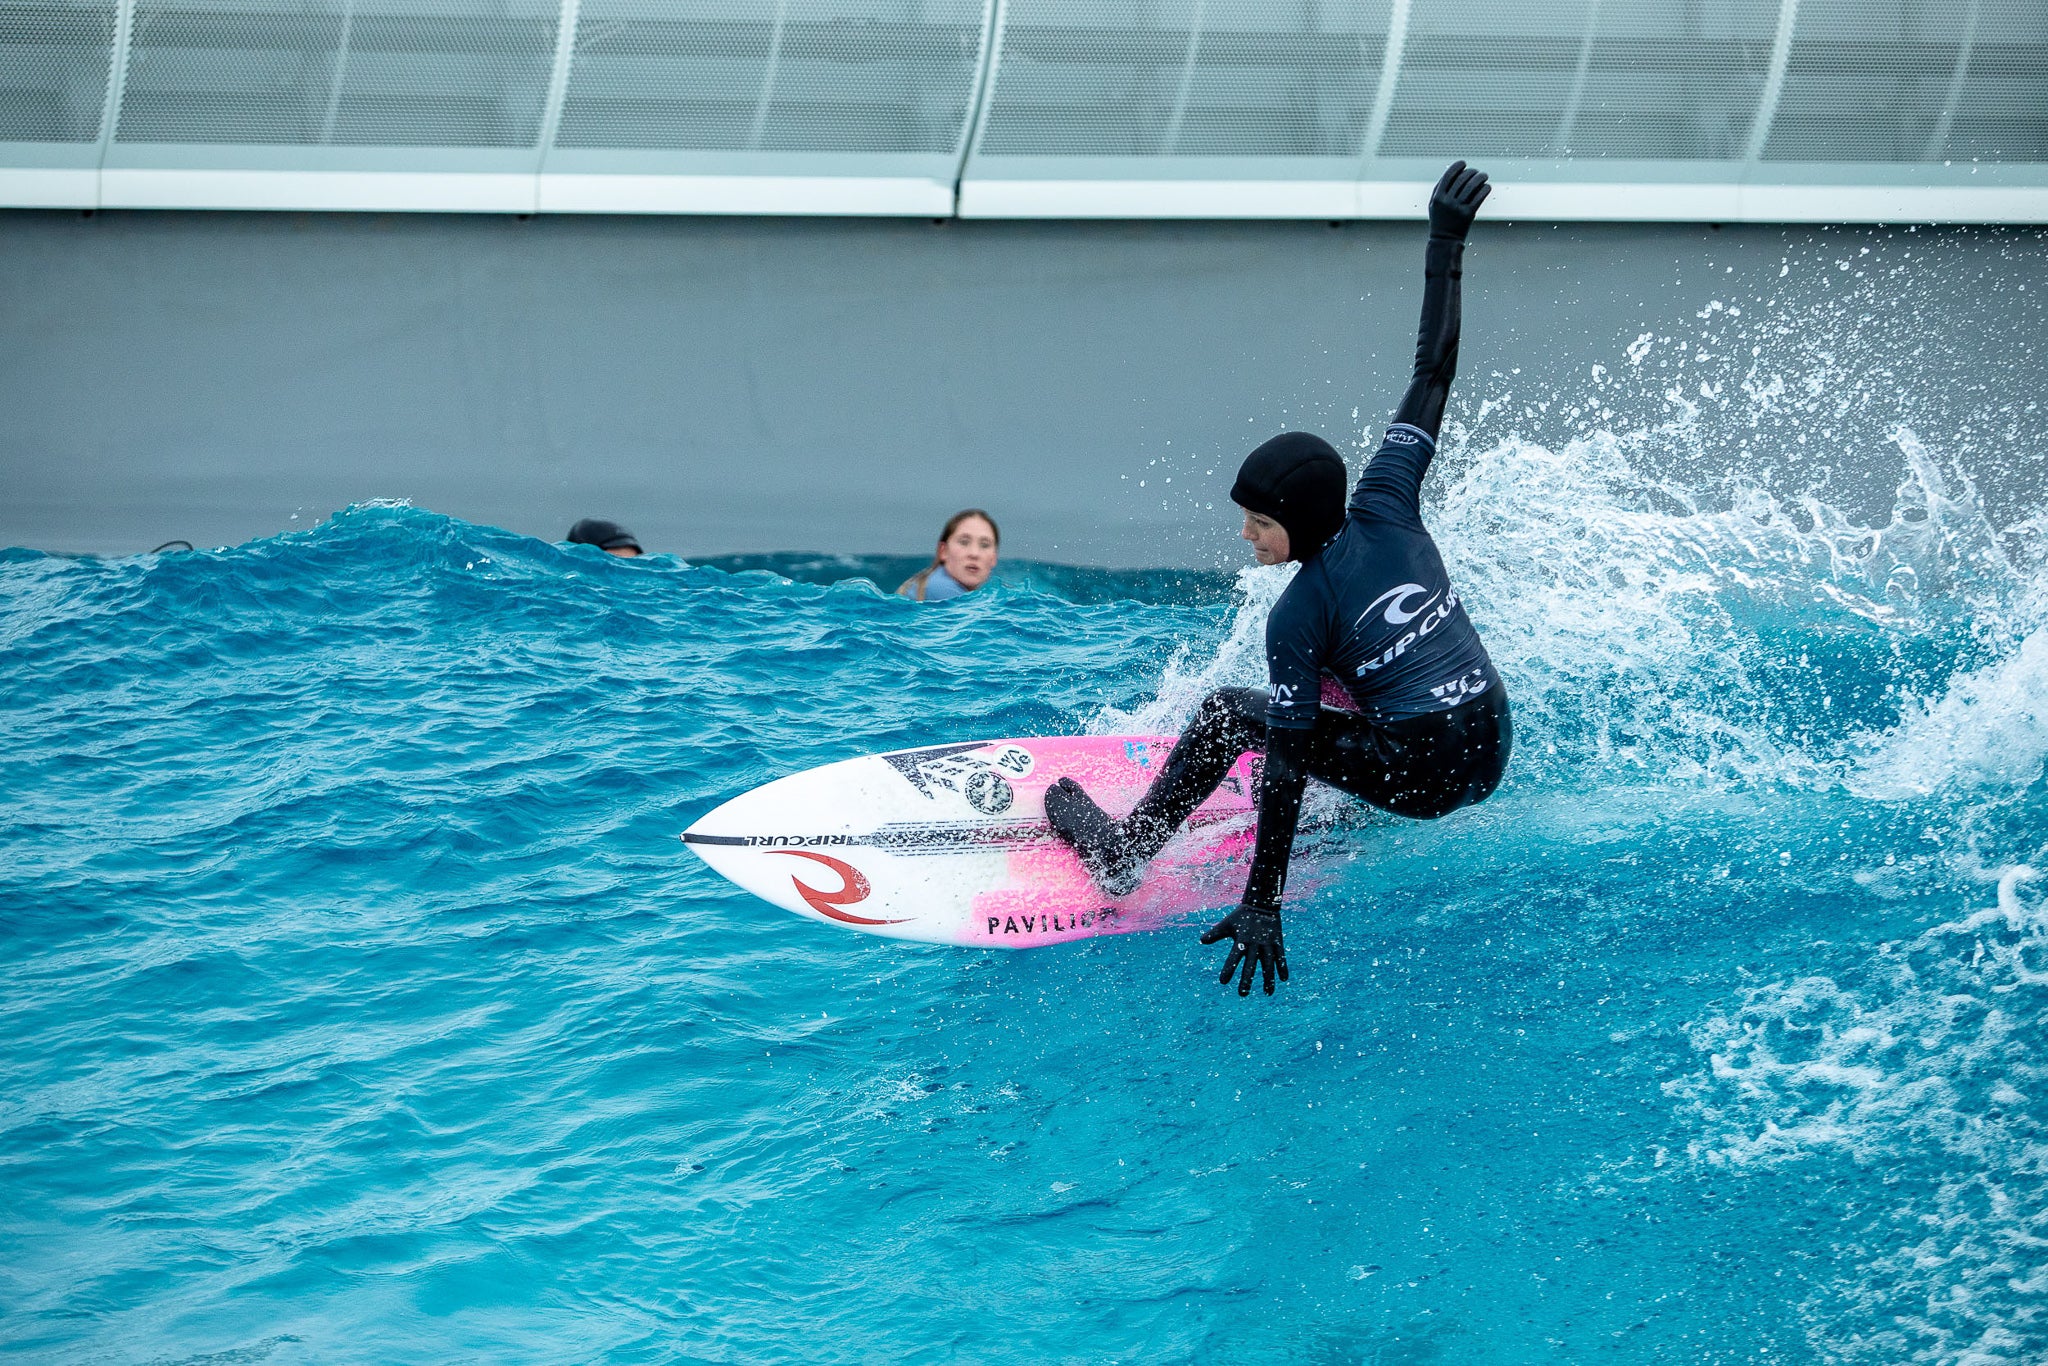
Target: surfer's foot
(1104,851)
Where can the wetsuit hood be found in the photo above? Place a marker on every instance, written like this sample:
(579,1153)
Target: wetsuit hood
(1297,480)
(602,534)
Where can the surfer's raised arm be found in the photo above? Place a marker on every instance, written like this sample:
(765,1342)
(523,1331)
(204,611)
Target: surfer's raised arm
(1392,484)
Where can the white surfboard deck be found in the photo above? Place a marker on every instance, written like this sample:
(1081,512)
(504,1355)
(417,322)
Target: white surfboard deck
(949,844)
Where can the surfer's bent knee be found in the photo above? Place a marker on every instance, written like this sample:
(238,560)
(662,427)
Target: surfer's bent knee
(1239,713)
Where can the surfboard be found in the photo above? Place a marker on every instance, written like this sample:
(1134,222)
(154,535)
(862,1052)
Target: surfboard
(948,844)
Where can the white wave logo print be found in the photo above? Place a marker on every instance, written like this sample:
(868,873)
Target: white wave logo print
(1398,613)
(1394,598)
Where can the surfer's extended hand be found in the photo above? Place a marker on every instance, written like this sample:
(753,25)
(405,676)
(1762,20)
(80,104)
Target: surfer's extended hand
(1254,934)
(1455,201)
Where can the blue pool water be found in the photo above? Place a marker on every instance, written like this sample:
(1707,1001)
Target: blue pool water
(360,1004)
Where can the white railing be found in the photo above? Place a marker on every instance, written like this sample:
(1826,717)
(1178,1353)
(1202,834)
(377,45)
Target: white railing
(1718,110)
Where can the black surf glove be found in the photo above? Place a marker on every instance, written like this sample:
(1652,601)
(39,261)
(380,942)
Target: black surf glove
(1456,200)
(1254,934)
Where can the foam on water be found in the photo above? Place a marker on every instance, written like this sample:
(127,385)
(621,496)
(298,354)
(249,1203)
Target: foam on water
(1986,732)
(1922,1064)
(363,1005)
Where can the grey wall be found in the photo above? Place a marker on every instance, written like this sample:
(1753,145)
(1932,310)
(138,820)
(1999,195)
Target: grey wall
(746,384)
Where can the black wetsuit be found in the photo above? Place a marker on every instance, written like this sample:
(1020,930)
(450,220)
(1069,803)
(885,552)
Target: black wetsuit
(1373,609)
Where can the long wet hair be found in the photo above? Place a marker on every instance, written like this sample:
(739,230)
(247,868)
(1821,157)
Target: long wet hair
(913,587)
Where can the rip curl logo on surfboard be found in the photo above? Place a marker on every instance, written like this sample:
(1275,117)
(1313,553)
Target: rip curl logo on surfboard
(853,889)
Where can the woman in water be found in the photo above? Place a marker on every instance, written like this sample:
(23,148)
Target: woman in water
(1371,610)
(967,556)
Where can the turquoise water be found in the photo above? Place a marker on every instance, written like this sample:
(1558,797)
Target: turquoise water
(361,1004)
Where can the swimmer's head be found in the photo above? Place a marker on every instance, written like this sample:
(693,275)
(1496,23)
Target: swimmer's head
(968,546)
(609,537)
(1294,485)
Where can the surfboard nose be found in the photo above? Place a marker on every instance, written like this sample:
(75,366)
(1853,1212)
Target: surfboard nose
(730,818)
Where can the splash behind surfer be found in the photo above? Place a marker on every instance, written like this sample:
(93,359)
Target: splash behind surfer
(1371,611)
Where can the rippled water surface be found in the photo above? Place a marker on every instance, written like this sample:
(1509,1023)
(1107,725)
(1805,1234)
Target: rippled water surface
(361,1005)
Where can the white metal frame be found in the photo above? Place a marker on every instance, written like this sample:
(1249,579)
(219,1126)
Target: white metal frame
(964,183)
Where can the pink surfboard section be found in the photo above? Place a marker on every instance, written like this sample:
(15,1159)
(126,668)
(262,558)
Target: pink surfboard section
(1050,897)
(948,844)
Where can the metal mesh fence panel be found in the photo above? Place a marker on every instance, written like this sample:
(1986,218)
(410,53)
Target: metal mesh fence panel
(1582,79)
(1500,81)
(406,73)
(53,70)
(1871,81)
(773,75)
(1186,78)
(2000,111)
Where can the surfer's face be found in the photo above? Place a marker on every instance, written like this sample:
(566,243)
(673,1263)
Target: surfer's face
(969,554)
(1268,538)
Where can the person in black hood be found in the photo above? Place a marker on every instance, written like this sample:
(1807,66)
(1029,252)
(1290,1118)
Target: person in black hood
(1419,724)
(609,537)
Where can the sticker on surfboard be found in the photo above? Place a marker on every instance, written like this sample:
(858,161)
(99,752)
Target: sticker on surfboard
(949,844)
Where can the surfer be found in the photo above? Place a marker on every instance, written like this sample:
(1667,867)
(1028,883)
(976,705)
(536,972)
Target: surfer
(1422,725)
(966,557)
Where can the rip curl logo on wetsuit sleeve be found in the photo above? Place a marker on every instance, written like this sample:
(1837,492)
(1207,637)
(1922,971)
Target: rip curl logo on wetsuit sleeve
(1402,437)
(1280,695)
(1396,599)
(1431,619)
